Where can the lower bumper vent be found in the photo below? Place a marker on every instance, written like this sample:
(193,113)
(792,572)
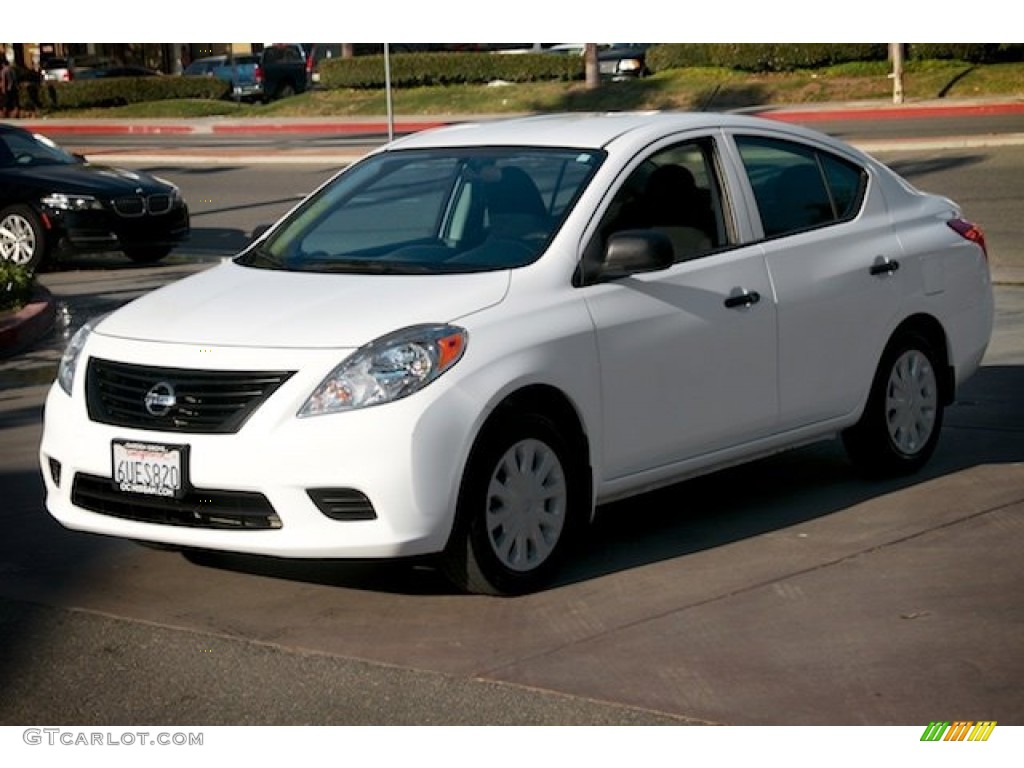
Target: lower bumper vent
(342,503)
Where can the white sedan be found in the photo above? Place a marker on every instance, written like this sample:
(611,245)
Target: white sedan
(463,343)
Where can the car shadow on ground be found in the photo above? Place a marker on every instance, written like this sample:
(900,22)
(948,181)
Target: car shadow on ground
(205,243)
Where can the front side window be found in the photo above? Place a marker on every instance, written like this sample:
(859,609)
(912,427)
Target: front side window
(800,187)
(675,192)
(432,211)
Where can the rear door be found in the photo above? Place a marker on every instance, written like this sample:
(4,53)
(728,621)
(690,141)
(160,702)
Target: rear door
(835,264)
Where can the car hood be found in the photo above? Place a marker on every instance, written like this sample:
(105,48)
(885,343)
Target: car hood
(86,178)
(231,305)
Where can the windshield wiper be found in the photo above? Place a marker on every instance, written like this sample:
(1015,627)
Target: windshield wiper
(364,266)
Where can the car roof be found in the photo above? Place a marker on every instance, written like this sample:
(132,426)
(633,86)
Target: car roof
(586,130)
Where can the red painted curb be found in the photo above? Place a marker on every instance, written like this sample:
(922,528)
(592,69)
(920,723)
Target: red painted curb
(108,129)
(895,112)
(350,128)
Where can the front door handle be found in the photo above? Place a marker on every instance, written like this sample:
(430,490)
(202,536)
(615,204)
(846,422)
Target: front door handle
(742,300)
(884,266)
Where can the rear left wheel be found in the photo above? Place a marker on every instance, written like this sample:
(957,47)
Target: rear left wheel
(900,426)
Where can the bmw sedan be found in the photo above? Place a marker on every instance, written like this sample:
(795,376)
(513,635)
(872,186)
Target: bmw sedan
(55,204)
(460,345)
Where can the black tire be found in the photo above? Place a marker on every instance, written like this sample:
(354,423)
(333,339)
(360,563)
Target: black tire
(150,255)
(900,426)
(22,237)
(522,500)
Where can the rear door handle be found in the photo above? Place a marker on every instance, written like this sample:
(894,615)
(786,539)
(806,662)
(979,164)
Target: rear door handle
(884,266)
(741,300)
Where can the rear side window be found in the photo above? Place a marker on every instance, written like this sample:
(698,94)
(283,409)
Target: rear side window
(798,187)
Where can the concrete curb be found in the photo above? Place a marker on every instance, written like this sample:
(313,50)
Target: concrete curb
(21,328)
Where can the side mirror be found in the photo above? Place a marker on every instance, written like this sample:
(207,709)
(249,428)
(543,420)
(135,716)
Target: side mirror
(633,251)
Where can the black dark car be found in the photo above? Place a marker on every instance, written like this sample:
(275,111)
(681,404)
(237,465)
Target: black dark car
(53,203)
(116,71)
(621,61)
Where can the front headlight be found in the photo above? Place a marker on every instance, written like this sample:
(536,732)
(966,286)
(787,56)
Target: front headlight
(388,369)
(69,361)
(630,65)
(173,190)
(64,202)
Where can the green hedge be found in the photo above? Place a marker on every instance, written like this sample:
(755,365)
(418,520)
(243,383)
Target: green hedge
(785,57)
(418,69)
(116,91)
(973,53)
(15,285)
(761,57)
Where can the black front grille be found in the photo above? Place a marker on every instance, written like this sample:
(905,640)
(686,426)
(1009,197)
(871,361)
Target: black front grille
(223,510)
(157,204)
(130,206)
(137,205)
(175,399)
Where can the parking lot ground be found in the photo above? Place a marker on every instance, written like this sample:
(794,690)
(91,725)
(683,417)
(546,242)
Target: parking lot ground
(790,591)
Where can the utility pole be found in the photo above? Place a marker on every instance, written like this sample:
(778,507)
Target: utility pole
(896,54)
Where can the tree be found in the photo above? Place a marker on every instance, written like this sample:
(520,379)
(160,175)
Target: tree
(593,73)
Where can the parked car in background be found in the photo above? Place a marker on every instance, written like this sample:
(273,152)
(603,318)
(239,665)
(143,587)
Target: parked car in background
(276,72)
(56,70)
(616,61)
(238,69)
(316,53)
(53,203)
(281,71)
(621,61)
(117,71)
(65,69)
(461,344)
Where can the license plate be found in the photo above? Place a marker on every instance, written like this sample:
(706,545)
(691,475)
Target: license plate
(150,469)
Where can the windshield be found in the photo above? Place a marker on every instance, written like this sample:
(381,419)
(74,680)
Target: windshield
(431,211)
(23,149)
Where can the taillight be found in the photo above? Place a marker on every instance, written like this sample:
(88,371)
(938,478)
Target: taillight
(969,231)
(258,73)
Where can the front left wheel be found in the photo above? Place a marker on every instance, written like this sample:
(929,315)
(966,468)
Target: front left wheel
(22,237)
(521,502)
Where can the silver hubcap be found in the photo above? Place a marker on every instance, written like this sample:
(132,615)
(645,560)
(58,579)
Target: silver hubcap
(911,400)
(526,502)
(17,240)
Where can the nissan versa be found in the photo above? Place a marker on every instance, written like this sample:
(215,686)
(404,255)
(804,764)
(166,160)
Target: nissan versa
(461,344)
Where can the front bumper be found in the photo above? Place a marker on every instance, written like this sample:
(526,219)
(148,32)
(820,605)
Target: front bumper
(404,458)
(101,231)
